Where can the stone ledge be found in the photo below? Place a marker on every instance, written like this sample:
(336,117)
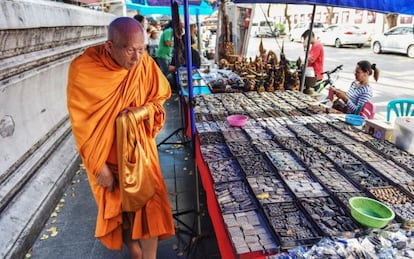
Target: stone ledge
(22,41)
(25,14)
(23,218)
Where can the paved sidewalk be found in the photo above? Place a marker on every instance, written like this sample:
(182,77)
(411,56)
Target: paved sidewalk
(69,232)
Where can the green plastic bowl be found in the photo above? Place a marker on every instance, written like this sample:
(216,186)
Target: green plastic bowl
(370,213)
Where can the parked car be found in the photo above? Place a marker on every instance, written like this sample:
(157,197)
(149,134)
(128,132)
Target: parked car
(211,23)
(209,50)
(296,32)
(399,39)
(339,35)
(266,29)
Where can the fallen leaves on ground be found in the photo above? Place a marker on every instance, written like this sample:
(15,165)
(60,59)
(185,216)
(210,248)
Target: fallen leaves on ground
(53,231)
(44,237)
(28,254)
(175,247)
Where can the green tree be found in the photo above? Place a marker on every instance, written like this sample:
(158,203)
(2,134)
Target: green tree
(287,17)
(329,15)
(391,20)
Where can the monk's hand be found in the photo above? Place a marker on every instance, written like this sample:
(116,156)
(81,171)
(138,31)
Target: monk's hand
(140,113)
(106,178)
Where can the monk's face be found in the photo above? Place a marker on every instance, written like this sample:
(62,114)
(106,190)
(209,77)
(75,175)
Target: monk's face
(127,50)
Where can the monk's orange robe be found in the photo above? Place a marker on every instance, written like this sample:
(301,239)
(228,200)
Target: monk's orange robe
(98,90)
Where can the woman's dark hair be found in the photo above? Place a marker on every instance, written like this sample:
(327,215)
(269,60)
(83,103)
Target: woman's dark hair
(366,66)
(306,34)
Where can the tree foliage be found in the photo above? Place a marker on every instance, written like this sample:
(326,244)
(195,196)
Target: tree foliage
(391,19)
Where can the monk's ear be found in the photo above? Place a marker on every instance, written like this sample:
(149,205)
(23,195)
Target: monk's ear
(108,45)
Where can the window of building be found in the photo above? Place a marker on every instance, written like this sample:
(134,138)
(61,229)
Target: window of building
(345,17)
(405,19)
(371,17)
(358,17)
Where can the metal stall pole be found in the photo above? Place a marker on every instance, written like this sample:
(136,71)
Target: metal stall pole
(302,76)
(179,132)
(191,106)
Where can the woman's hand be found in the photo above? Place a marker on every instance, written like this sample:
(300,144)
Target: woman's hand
(341,95)
(106,178)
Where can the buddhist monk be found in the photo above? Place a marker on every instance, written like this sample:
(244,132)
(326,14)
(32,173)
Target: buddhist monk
(104,81)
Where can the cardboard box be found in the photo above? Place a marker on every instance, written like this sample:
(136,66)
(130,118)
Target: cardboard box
(379,129)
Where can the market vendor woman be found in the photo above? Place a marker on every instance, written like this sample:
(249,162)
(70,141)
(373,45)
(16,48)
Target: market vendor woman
(360,91)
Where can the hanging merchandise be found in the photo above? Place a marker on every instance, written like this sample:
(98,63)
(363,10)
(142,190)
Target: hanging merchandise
(225,44)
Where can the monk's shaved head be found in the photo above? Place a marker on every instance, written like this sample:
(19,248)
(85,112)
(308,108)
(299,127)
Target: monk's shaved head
(123,26)
(126,41)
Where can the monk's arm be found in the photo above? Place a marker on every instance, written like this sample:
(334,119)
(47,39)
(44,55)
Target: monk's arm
(159,92)
(140,113)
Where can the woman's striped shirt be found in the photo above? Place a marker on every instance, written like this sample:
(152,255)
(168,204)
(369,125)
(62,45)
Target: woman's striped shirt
(357,96)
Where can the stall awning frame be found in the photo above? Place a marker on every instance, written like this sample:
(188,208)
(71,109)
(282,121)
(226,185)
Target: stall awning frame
(145,8)
(383,6)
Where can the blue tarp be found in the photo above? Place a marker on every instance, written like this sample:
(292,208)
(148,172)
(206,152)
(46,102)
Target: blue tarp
(148,7)
(383,6)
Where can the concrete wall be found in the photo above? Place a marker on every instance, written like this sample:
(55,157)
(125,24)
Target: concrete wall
(38,155)
(38,39)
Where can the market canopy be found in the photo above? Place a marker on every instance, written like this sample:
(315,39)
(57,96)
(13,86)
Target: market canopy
(384,6)
(147,7)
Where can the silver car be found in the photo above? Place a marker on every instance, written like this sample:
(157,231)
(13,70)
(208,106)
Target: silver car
(266,29)
(339,35)
(399,39)
(296,33)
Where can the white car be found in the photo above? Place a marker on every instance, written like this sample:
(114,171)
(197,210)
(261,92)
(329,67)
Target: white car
(339,35)
(211,23)
(266,29)
(296,33)
(399,39)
